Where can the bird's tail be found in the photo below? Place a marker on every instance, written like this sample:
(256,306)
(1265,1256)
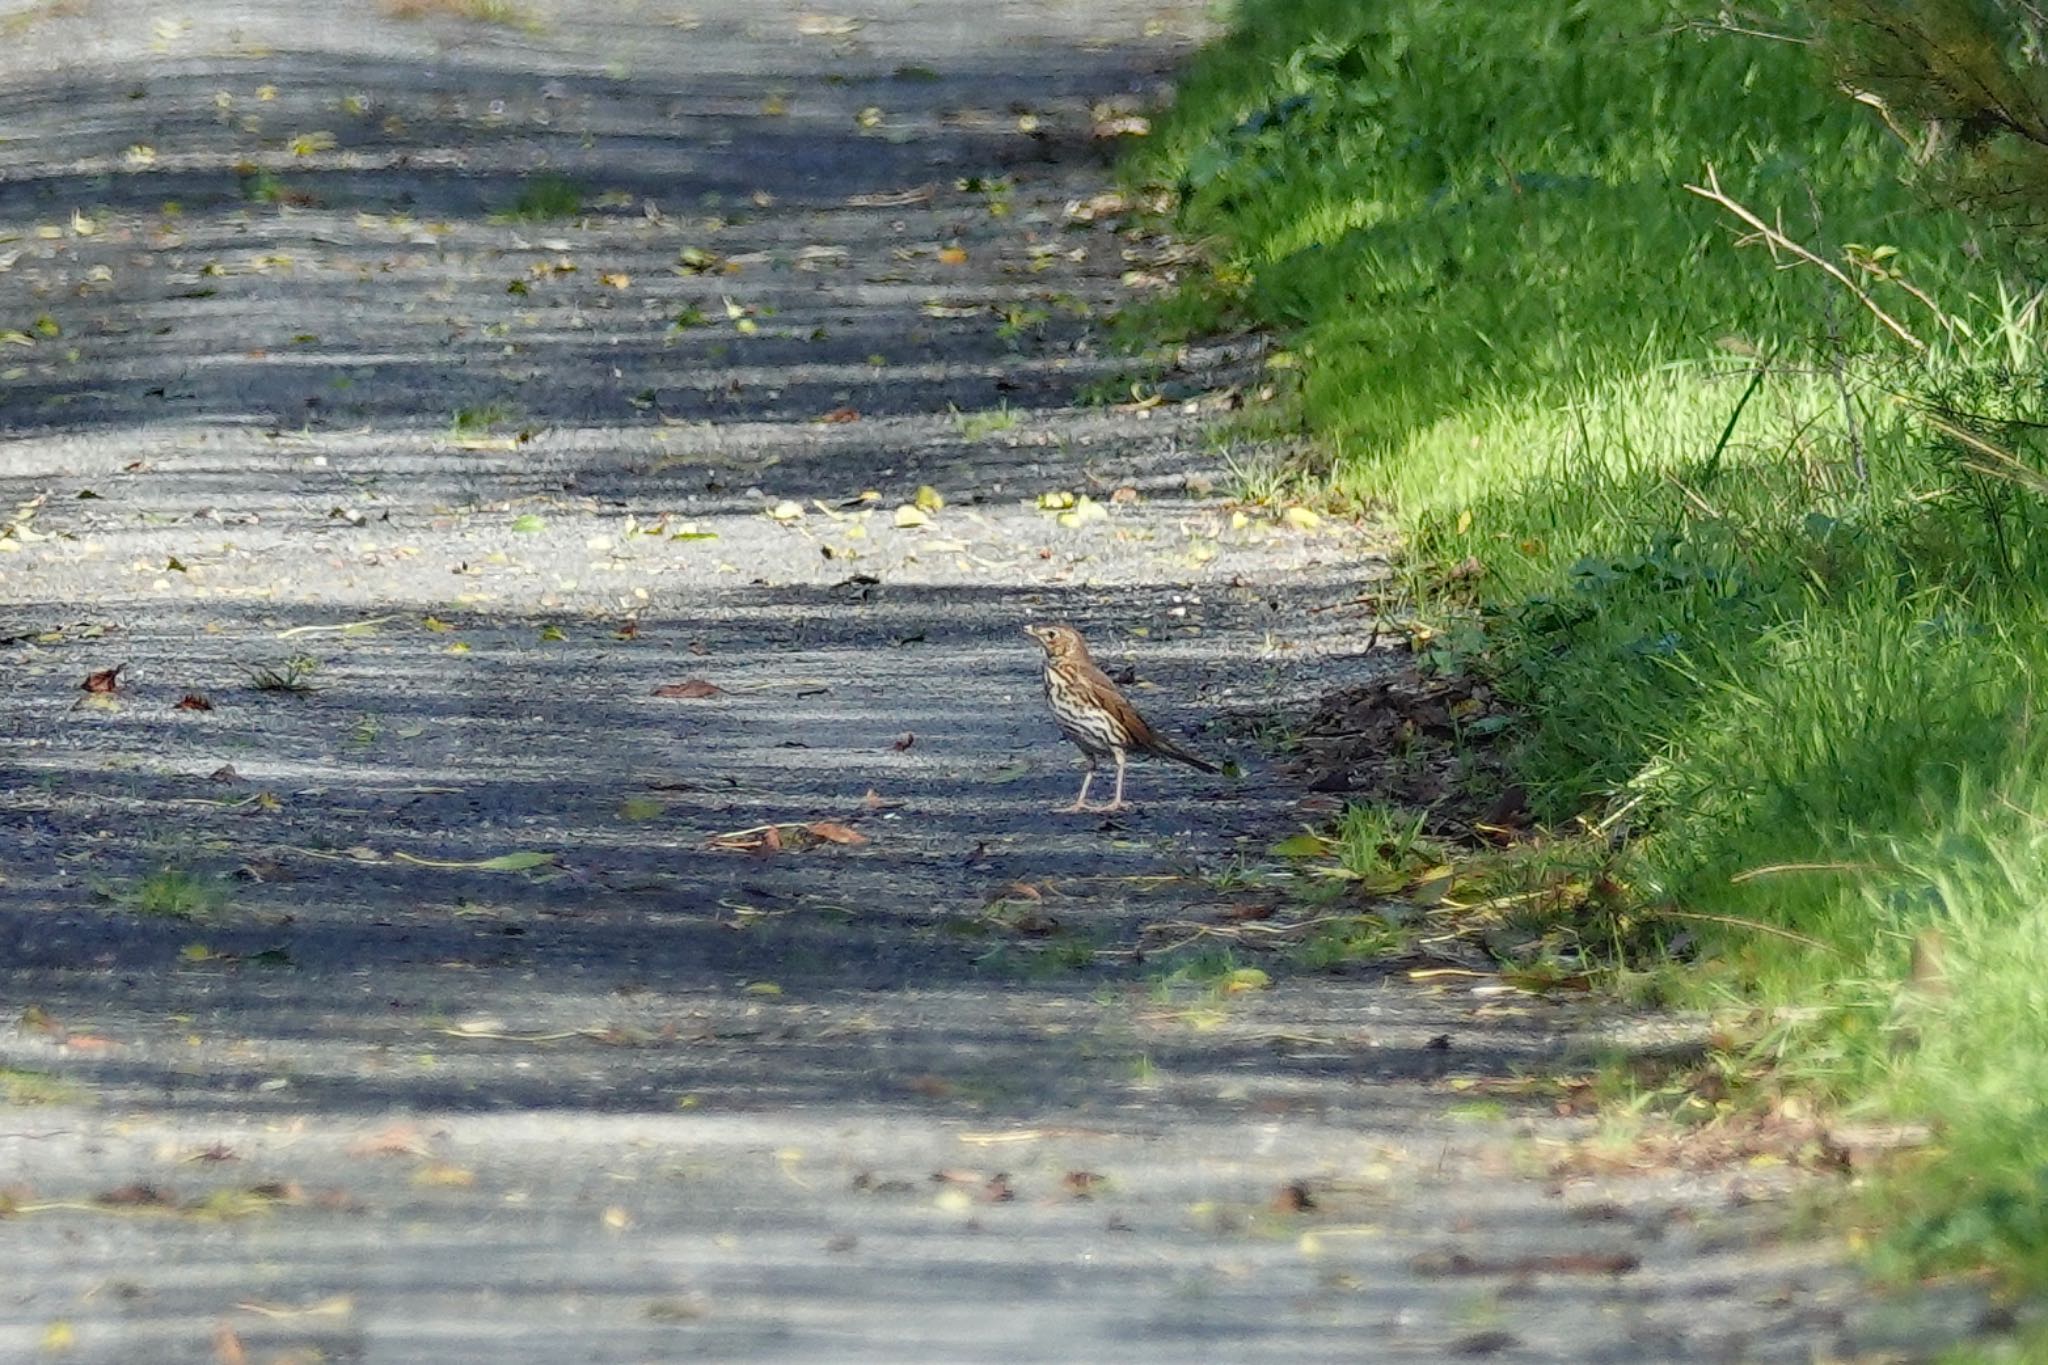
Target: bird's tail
(1166,748)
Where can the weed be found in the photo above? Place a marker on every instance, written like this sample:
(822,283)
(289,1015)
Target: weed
(170,892)
(22,1087)
(975,426)
(479,420)
(291,675)
(1350,941)
(544,198)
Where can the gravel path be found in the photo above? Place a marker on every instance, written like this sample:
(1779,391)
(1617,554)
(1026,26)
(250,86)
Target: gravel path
(294,1071)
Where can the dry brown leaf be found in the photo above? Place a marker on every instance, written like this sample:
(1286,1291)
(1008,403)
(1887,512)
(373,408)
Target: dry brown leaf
(953,255)
(106,680)
(1081,1184)
(835,833)
(136,1196)
(840,416)
(400,1139)
(194,701)
(689,688)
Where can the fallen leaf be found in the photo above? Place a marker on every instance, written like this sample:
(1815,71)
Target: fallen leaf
(840,416)
(444,1173)
(1081,1184)
(194,701)
(908,516)
(928,499)
(617,1219)
(106,680)
(787,510)
(835,833)
(689,689)
(401,1139)
(135,1196)
(227,1347)
(904,741)
(1129,125)
(953,255)
(1303,845)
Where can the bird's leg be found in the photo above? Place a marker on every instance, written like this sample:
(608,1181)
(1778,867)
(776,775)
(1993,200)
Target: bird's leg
(1116,802)
(1081,801)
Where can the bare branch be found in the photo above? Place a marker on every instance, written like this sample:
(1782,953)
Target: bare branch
(1713,193)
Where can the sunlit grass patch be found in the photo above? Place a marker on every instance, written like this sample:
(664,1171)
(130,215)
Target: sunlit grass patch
(1763,585)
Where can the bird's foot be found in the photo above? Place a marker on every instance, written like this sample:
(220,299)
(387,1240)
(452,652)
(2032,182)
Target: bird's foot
(1076,808)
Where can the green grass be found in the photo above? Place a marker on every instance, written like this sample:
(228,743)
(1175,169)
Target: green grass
(977,426)
(1764,619)
(172,893)
(543,199)
(480,420)
(20,1087)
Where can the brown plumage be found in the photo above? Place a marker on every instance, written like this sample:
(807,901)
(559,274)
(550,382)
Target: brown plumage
(1097,717)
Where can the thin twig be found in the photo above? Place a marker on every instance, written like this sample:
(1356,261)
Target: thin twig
(1776,868)
(1713,193)
(1736,921)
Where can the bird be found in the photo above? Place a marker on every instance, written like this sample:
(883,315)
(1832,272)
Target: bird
(1097,717)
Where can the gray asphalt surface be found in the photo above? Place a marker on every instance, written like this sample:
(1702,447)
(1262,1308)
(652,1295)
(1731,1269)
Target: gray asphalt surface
(286,389)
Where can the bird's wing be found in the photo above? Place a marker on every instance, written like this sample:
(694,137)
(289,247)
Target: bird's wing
(1113,701)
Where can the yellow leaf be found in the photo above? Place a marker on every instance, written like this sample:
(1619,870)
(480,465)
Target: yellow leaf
(59,1337)
(929,498)
(953,255)
(763,988)
(1301,519)
(908,516)
(443,1173)
(1464,521)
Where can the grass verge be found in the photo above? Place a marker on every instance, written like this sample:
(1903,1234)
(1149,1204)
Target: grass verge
(1758,556)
